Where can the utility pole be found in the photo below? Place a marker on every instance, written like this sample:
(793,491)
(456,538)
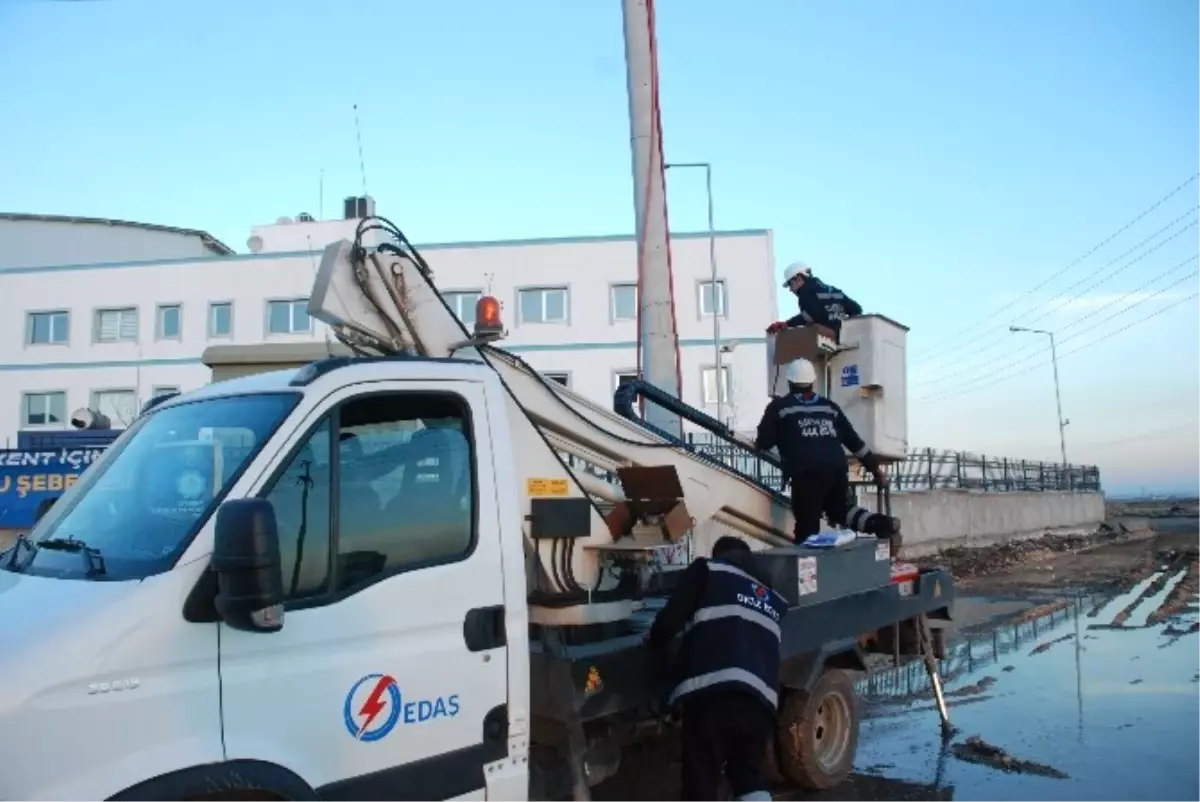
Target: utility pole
(656,335)
(1062,422)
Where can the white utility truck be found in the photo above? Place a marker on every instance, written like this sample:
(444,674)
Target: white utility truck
(377,576)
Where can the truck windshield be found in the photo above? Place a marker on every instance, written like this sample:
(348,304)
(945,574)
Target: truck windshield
(133,513)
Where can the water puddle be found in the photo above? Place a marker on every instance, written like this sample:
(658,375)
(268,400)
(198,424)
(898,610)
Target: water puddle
(1152,604)
(1064,705)
(1122,601)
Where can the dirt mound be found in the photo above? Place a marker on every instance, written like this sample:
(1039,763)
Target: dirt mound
(966,561)
(977,750)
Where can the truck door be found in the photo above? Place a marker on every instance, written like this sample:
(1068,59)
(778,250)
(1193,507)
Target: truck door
(388,679)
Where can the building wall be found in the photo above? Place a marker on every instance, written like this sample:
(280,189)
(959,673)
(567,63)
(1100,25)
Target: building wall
(38,243)
(590,346)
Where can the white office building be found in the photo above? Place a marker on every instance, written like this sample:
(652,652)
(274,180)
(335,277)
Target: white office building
(109,314)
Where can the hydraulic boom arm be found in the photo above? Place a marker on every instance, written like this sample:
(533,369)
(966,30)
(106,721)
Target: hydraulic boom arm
(386,301)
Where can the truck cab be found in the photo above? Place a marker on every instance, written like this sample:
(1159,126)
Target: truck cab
(387,492)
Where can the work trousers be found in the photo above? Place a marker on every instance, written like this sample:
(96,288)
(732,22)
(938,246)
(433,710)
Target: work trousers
(725,732)
(826,490)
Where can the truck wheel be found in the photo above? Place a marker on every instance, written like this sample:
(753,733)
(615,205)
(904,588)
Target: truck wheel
(818,732)
(771,770)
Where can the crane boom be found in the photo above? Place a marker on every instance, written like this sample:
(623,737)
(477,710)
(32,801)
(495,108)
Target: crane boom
(387,301)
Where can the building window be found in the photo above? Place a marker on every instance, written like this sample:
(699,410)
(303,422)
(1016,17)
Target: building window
(288,317)
(462,304)
(117,325)
(544,305)
(623,377)
(709,303)
(44,409)
(220,320)
(708,378)
(159,390)
(562,378)
(48,328)
(170,322)
(623,298)
(119,406)
(412,510)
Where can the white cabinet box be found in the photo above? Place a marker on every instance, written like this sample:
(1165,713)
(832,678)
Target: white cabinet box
(867,376)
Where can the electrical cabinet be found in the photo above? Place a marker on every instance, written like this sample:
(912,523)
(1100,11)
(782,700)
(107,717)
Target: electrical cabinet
(865,374)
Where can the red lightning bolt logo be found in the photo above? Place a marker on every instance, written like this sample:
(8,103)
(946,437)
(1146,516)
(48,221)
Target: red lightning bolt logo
(374,704)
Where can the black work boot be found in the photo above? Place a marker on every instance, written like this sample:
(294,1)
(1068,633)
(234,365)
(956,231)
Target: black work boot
(895,539)
(885,527)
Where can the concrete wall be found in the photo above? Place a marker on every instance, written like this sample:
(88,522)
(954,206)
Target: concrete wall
(939,518)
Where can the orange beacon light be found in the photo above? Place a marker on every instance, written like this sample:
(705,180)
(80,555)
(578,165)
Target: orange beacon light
(487,318)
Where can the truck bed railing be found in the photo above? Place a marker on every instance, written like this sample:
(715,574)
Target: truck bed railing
(758,467)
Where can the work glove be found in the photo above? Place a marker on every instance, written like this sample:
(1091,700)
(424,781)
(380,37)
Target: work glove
(776,327)
(871,463)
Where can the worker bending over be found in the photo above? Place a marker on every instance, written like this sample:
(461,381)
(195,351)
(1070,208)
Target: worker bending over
(809,432)
(820,303)
(727,672)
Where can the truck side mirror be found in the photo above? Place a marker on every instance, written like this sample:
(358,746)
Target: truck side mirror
(247,563)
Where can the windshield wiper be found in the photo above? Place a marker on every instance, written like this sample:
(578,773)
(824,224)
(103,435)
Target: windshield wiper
(22,542)
(95,561)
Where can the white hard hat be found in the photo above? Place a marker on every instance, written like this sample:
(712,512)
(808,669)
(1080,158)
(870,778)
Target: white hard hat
(796,269)
(801,371)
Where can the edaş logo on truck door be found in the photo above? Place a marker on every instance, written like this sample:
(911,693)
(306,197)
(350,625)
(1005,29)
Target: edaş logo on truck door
(374,706)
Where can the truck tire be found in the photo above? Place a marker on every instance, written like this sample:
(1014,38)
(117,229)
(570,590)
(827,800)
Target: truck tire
(771,771)
(817,732)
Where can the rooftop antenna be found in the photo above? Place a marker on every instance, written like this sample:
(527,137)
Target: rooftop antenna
(358,135)
(320,198)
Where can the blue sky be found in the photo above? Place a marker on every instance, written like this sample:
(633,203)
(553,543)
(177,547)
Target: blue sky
(938,160)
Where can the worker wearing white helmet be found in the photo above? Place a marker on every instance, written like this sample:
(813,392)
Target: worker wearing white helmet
(810,431)
(820,303)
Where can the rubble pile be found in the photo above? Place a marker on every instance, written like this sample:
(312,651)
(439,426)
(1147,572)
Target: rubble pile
(968,561)
(977,750)
(1182,595)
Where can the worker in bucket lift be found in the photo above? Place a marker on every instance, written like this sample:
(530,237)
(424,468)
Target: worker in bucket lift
(809,432)
(725,677)
(820,303)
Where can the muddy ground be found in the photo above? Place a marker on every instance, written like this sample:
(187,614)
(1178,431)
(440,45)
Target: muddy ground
(1001,581)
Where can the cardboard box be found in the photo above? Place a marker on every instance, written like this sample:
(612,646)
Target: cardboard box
(814,343)
(653,500)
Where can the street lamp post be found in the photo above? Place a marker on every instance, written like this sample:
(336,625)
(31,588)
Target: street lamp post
(1062,422)
(718,372)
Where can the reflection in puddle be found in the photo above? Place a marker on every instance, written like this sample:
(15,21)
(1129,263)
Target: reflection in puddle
(1109,711)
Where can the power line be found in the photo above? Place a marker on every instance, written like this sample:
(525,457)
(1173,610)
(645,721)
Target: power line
(1138,437)
(1119,270)
(1092,286)
(1134,291)
(1097,341)
(1078,321)
(1109,239)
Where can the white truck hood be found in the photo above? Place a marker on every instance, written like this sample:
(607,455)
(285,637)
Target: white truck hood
(84,664)
(54,629)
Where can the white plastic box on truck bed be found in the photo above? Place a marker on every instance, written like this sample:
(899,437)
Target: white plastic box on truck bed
(865,374)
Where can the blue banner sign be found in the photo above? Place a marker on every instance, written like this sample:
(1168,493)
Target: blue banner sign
(29,477)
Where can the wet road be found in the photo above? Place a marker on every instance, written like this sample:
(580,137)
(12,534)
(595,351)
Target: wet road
(1116,710)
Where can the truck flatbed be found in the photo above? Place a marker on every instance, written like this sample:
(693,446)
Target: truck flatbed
(614,674)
